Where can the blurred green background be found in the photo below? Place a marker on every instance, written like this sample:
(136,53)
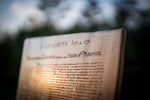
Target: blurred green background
(20,19)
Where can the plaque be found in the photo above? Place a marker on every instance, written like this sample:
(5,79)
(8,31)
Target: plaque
(79,66)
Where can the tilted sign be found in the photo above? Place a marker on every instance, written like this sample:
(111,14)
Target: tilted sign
(81,66)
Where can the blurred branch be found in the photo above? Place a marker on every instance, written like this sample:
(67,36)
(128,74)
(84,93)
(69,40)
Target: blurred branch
(44,4)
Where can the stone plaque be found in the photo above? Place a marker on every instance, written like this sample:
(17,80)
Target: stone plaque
(81,66)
